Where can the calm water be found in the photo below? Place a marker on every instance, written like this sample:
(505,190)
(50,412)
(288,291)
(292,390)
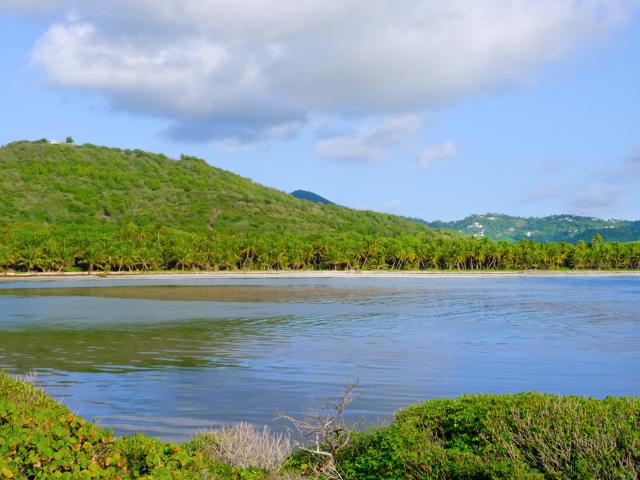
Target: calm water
(172,356)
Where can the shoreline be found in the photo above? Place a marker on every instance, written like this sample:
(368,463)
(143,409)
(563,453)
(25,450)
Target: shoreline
(32,411)
(292,274)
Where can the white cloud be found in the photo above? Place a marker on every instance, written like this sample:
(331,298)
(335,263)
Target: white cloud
(428,156)
(370,143)
(32,6)
(233,69)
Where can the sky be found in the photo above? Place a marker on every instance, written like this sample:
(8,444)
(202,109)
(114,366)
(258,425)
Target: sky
(423,108)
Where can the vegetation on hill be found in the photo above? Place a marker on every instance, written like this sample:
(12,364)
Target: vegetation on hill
(526,436)
(555,228)
(98,188)
(88,208)
(312,197)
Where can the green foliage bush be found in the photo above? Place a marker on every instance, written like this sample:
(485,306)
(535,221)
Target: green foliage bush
(527,436)
(41,439)
(524,436)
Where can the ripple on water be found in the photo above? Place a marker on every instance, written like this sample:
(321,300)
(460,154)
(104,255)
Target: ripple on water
(170,357)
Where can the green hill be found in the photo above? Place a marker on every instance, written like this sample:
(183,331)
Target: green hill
(555,228)
(87,208)
(90,187)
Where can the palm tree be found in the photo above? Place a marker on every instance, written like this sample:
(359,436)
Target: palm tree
(94,257)
(7,258)
(30,257)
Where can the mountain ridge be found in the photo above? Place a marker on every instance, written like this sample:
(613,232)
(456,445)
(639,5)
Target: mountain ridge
(552,228)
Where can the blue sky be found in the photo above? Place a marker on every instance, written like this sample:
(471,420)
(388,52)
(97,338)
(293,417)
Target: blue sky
(501,106)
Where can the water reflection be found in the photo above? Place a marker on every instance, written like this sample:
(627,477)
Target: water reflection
(195,343)
(219,293)
(171,356)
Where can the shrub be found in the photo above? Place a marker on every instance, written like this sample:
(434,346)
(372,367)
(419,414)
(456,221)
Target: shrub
(241,445)
(42,439)
(524,436)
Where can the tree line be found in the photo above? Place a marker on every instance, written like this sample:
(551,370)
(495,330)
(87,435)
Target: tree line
(134,249)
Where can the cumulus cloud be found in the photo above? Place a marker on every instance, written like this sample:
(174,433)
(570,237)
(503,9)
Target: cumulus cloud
(428,156)
(231,69)
(370,143)
(32,6)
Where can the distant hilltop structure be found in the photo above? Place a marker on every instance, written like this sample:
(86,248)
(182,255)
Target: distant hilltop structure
(67,141)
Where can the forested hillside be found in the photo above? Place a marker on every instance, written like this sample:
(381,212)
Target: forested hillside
(97,187)
(554,228)
(88,208)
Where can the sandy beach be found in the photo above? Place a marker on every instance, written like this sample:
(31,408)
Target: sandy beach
(314,274)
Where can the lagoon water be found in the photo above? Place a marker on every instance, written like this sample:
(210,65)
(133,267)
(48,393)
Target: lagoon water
(171,356)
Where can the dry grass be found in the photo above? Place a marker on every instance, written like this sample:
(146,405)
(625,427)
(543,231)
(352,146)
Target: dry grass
(23,392)
(242,445)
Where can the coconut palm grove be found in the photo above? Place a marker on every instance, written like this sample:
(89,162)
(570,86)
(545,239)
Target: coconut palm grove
(85,208)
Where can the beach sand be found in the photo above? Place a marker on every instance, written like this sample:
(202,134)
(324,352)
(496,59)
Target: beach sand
(314,274)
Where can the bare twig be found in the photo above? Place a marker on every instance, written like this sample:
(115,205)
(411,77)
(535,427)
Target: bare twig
(325,432)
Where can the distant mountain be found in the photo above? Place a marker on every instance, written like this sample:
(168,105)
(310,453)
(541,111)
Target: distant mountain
(555,228)
(312,197)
